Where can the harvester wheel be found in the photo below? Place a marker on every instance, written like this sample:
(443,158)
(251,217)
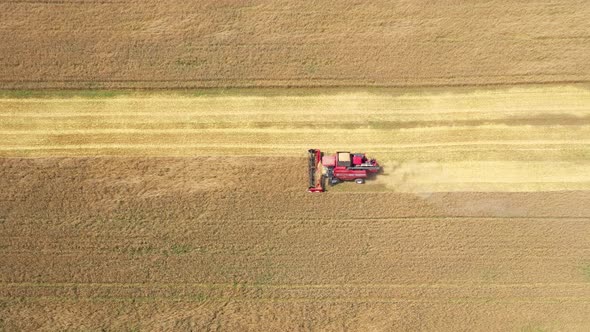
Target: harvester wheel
(359,181)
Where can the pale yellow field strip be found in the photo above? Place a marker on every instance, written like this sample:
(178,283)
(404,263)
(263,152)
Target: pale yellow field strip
(522,138)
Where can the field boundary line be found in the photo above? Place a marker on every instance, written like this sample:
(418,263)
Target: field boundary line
(201,299)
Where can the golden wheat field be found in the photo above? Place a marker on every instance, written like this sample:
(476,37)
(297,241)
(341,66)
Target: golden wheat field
(153,167)
(187,210)
(228,43)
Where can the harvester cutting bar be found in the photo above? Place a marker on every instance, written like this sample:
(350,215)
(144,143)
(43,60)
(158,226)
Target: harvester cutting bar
(315,175)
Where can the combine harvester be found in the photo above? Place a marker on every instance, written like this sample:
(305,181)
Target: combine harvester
(343,166)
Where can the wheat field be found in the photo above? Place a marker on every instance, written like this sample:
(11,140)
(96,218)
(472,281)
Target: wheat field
(153,168)
(235,243)
(180,43)
(188,210)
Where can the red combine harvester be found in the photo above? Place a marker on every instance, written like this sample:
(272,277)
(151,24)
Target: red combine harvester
(343,166)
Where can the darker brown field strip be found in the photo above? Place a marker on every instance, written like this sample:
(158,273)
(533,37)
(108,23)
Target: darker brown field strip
(290,43)
(450,301)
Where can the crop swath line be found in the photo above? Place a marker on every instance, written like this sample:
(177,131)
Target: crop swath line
(319,78)
(371,219)
(487,300)
(466,284)
(292,147)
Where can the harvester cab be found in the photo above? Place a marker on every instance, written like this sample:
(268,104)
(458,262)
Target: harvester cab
(343,166)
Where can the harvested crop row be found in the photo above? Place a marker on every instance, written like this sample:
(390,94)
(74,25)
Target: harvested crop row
(461,139)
